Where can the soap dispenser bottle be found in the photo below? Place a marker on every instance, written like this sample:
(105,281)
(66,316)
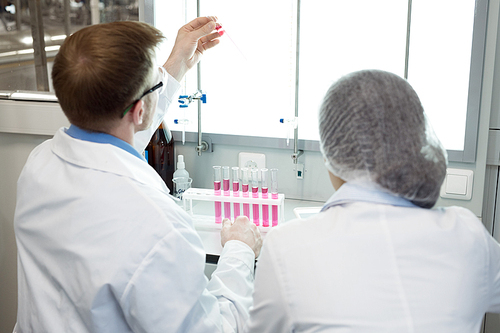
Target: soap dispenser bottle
(181,173)
(181,179)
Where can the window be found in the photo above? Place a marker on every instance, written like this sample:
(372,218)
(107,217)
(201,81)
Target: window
(440,64)
(343,37)
(19,68)
(250,75)
(250,78)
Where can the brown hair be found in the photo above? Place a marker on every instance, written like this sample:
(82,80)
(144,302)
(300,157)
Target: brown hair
(102,69)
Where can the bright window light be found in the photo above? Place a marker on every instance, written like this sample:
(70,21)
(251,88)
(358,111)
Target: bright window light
(439,64)
(343,37)
(250,77)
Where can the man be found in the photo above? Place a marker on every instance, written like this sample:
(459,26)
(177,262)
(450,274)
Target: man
(101,245)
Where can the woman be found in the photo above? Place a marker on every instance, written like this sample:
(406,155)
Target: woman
(378,258)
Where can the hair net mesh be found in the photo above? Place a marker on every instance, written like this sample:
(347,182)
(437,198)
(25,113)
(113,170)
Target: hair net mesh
(373,128)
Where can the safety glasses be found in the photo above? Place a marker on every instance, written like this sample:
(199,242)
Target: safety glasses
(158,86)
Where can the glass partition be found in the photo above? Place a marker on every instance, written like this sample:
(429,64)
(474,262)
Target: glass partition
(26,59)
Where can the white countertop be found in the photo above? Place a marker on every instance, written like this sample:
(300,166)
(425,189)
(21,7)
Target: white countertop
(209,231)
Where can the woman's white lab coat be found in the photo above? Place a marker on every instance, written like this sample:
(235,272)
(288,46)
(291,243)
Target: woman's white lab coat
(364,266)
(103,248)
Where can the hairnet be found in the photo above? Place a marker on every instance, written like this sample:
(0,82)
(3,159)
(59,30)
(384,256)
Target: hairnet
(373,128)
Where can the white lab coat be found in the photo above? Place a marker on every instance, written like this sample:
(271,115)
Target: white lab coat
(370,267)
(103,248)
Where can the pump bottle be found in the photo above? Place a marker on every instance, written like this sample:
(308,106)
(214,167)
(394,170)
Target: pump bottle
(181,173)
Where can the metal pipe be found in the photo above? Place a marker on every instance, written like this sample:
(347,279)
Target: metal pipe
(67,20)
(407,51)
(17,4)
(202,145)
(198,80)
(296,151)
(95,16)
(42,77)
(199,147)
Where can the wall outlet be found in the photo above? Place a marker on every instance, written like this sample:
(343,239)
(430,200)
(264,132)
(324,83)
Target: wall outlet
(251,160)
(300,171)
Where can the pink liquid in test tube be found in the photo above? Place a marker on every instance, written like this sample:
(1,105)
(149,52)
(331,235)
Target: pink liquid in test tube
(236,193)
(274,195)
(236,190)
(275,210)
(264,189)
(225,186)
(246,207)
(227,205)
(255,194)
(218,204)
(244,189)
(265,208)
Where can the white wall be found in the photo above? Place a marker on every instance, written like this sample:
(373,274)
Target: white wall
(14,150)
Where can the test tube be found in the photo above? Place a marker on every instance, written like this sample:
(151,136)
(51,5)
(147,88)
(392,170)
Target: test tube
(218,206)
(244,189)
(264,189)
(274,195)
(225,187)
(236,190)
(255,194)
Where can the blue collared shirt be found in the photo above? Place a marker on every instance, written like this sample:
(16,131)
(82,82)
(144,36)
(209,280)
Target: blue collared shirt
(356,192)
(81,134)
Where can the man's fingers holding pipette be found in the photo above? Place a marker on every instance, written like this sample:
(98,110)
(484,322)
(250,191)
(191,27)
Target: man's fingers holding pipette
(188,49)
(201,26)
(207,42)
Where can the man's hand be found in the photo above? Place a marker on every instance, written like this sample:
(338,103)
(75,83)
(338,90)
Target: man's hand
(243,230)
(192,40)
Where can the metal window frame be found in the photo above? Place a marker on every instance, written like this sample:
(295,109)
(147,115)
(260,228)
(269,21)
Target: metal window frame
(468,155)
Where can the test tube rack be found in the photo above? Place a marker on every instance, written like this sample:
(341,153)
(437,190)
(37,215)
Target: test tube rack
(202,194)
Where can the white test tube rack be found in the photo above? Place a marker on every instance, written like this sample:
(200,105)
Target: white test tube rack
(202,194)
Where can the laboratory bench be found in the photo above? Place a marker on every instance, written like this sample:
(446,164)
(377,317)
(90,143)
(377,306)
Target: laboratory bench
(203,215)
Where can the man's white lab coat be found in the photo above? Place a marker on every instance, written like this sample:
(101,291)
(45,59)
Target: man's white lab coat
(103,248)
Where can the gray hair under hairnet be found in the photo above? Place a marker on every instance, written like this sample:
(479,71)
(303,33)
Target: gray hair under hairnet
(373,128)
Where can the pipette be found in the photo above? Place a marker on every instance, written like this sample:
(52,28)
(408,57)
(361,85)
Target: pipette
(182,122)
(222,32)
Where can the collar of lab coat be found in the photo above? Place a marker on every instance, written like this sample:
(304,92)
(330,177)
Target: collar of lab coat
(365,192)
(105,157)
(78,133)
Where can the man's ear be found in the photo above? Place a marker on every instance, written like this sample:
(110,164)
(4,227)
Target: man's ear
(137,112)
